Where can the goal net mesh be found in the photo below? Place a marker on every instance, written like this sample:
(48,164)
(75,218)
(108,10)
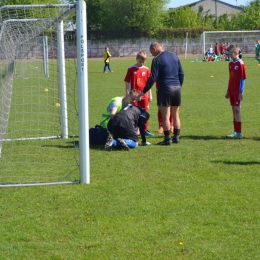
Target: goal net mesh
(32,149)
(244,39)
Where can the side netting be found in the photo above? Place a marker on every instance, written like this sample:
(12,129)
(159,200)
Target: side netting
(38,96)
(246,40)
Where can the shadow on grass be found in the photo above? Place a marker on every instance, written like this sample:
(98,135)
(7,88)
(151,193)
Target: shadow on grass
(75,145)
(237,162)
(97,147)
(69,145)
(255,138)
(203,137)
(211,137)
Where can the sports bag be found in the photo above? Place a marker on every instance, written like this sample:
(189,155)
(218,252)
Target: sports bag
(98,135)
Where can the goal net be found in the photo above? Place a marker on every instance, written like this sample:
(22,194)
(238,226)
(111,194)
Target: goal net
(246,40)
(38,95)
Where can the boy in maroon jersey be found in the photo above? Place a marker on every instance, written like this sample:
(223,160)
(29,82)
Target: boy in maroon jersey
(223,51)
(235,91)
(216,51)
(136,78)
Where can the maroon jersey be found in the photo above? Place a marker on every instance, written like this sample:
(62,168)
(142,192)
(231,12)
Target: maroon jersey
(222,49)
(237,72)
(216,49)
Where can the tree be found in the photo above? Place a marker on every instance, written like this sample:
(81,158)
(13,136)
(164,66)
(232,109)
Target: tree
(125,14)
(249,19)
(184,17)
(222,22)
(28,2)
(205,19)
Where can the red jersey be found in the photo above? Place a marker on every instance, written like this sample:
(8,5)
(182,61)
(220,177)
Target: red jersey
(137,77)
(222,49)
(237,71)
(216,49)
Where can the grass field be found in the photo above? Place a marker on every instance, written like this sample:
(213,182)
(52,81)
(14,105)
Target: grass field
(196,200)
(32,151)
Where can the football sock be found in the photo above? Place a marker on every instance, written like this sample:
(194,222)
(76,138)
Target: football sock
(167,134)
(238,127)
(176,132)
(234,123)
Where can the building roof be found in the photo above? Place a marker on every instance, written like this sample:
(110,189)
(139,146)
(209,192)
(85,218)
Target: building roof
(217,1)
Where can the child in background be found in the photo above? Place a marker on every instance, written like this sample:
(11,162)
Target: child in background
(227,53)
(223,51)
(257,51)
(216,50)
(210,52)
(136,78)
(235,91)
(107,56)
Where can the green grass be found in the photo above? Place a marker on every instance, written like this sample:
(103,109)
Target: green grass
(34,114)
(195,200)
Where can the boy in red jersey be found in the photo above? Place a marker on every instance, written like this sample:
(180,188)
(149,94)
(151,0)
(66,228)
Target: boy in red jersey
(223,51)
(136,78)
(235,91)
(216,51)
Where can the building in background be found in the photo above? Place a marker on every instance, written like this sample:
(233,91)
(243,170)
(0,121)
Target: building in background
(215,7)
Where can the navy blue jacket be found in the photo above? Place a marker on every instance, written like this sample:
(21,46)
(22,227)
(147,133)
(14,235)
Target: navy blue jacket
(167,69)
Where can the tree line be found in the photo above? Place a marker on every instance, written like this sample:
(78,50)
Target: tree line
(150,18)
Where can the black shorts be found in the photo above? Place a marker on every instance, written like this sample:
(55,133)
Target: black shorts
(169,96)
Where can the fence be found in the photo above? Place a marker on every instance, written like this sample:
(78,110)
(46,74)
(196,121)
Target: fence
(129,51)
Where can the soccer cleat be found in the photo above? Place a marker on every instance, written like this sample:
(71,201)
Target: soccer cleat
(109,143)
(165,142)
(148,133)
(239,136)
(233,135)
(160,130)
(121,144)
(176,139)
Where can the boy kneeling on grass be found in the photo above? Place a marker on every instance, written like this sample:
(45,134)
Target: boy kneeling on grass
(125,124)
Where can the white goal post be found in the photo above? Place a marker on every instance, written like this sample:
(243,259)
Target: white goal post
(244,39)
(43,95)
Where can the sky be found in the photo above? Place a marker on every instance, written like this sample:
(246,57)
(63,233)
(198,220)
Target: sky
(175,3)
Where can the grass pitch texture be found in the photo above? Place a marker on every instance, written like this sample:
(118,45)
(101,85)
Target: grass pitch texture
(195,200)
(31,149)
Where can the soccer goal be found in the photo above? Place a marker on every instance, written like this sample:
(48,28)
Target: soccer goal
(43,95)
(246,40)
